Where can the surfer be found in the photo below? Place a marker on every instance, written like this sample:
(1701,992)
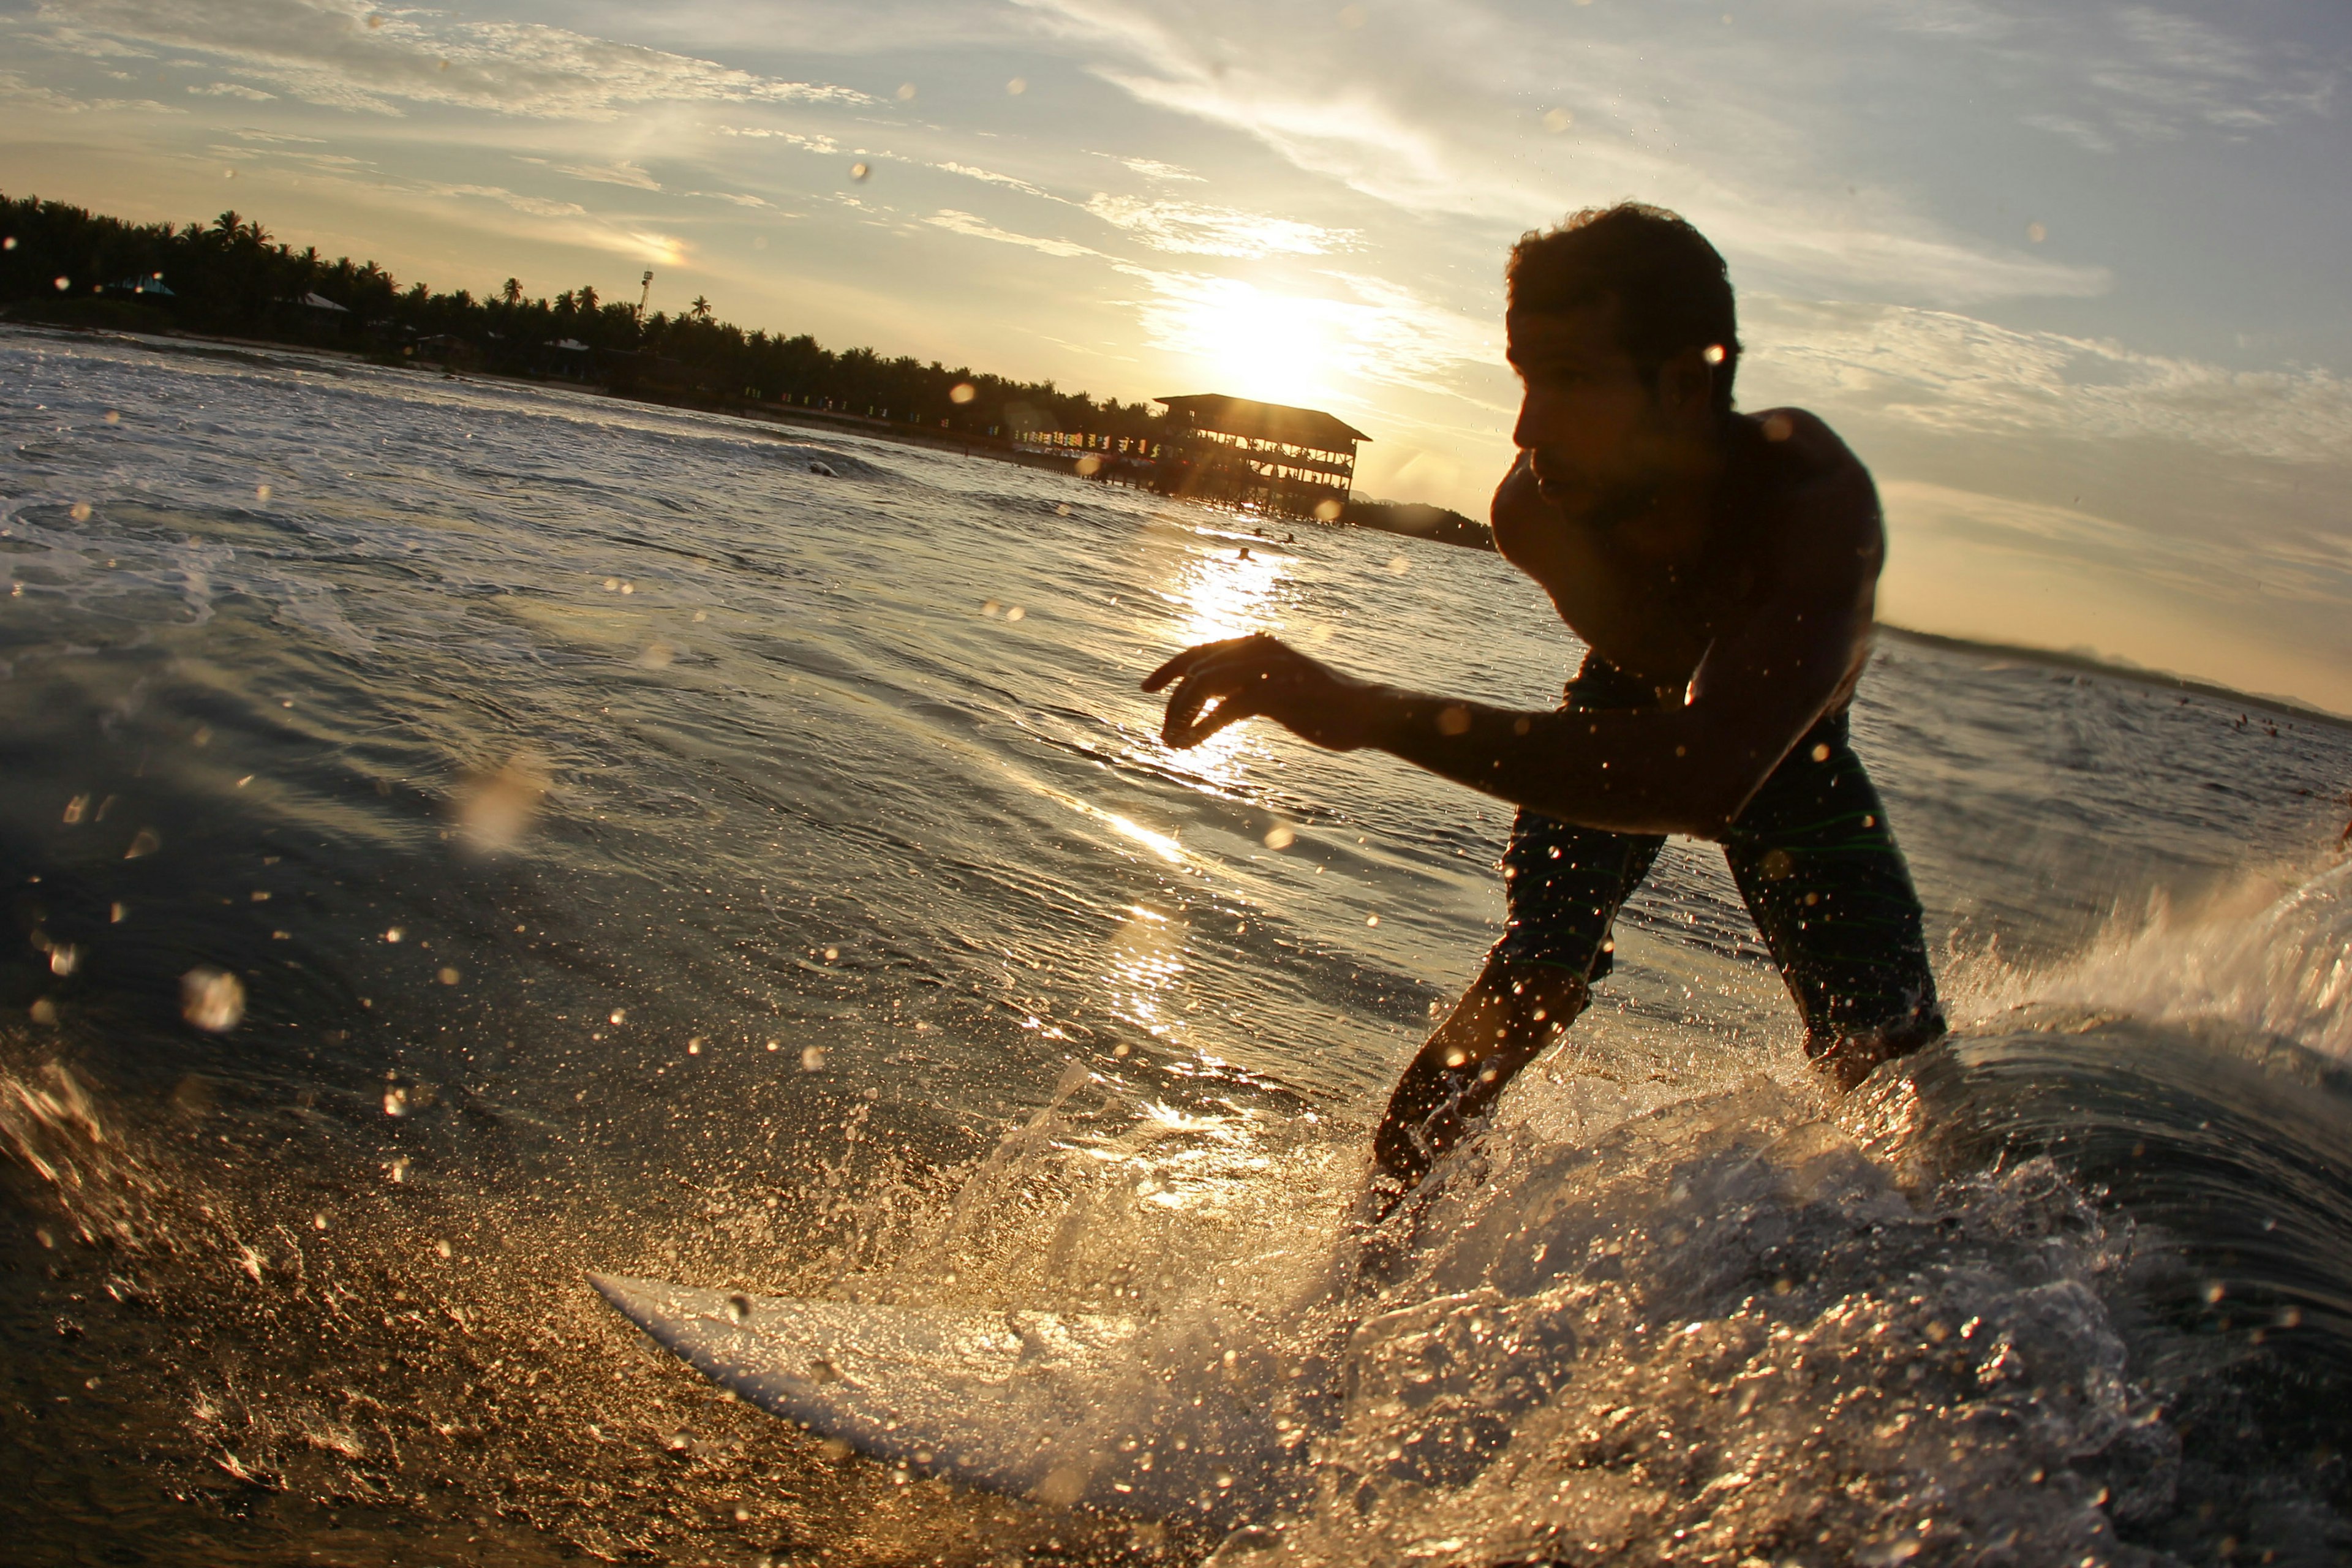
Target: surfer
(1721,569)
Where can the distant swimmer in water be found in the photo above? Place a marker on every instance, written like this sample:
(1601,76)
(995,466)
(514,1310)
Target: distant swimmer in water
(1721,569)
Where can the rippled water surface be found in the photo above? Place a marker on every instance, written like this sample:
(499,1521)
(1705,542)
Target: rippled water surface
(623,848)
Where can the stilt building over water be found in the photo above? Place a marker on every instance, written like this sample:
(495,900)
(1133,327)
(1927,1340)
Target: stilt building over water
(1230,451)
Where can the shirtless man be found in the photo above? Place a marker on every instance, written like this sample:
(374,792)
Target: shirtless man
(1721,569)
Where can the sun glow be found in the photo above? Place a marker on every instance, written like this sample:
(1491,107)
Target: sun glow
(1246,342)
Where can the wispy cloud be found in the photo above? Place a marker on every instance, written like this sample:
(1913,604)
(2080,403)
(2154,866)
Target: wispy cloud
(1183,228)
(623,172)
(350,57)
(233,89)
(988,176)
(1447,122)
(1949,373)
(973,227)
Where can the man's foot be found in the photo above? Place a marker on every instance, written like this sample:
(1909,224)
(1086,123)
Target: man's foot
(1846,1059)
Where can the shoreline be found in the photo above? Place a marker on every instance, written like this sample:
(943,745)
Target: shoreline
(998,451)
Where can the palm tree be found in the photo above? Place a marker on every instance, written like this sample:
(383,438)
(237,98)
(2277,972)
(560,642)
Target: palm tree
(512,292)
(701,309)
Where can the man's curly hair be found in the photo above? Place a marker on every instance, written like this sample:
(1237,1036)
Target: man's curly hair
(1671,289)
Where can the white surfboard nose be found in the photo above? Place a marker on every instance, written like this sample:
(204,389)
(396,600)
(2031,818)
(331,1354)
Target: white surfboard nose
(1058,1407)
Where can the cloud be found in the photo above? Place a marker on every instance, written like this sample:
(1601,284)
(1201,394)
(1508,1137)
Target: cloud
(537,206)
(1152,169)
(965,224)
(1184,229)
(824,145)
(737,197)
(346,55)
(1949,373)
(234,89)
(1444,121)
(621,174)
(15,89)
(990,176)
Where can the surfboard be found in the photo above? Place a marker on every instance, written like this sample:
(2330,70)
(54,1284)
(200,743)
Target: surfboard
(1054,1406)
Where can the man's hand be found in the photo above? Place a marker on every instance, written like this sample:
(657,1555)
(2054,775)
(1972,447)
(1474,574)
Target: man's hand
(1262,676)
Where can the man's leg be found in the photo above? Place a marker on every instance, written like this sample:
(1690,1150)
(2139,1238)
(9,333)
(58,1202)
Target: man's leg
(1818,869)
(1564,886)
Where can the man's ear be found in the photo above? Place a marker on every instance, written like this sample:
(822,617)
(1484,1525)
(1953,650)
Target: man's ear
(1686,383)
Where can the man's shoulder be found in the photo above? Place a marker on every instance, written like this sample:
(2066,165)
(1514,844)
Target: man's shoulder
(1803,443)
(1818,502)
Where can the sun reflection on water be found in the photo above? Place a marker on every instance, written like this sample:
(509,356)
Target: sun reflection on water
(1220,592)
(1145,963)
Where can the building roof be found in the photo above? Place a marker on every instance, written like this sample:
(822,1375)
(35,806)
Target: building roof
(1264,421)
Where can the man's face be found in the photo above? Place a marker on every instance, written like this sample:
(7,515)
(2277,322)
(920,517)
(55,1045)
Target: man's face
(1589,420)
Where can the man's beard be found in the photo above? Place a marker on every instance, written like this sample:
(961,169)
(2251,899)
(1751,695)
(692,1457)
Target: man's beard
(1605,507)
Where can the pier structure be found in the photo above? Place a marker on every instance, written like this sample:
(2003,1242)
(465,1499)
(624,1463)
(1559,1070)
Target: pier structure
(1267,457)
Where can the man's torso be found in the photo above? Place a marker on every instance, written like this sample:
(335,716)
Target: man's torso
(1651,604)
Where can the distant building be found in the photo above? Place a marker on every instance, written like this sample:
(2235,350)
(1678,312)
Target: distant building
(1230,451)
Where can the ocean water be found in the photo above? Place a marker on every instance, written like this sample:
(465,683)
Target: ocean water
(462,836)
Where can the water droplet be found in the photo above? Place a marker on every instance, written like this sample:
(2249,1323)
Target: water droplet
(144,844)
(395,934)
(318,1222)
(1015,613)
(739,1308)
(113,416)
(694,1047)
(1371,920)
(212,999)
(2036,232)
(1017,86)
(813,1058)
(63,959)
(831,953)
(444,1248)
(261,492)
(1280,836)
(906,93)
(963,392)
(677,1442)
(395,1100)
(618,1016)
(447,977)
(1557,120)
(1399,565)
(658,655)
(858,171)
(990,608)
(1063,510)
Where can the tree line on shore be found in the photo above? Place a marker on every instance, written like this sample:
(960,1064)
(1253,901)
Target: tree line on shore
(232,277)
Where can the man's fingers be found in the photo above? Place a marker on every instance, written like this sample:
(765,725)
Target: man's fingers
(1222,674)
(1193,693)
(1232,708)
(1183,662)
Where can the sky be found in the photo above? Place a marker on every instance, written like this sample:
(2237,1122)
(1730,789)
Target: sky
(2071,278)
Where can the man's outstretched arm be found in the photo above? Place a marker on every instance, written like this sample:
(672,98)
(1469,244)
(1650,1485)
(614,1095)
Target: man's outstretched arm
(1687,770)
